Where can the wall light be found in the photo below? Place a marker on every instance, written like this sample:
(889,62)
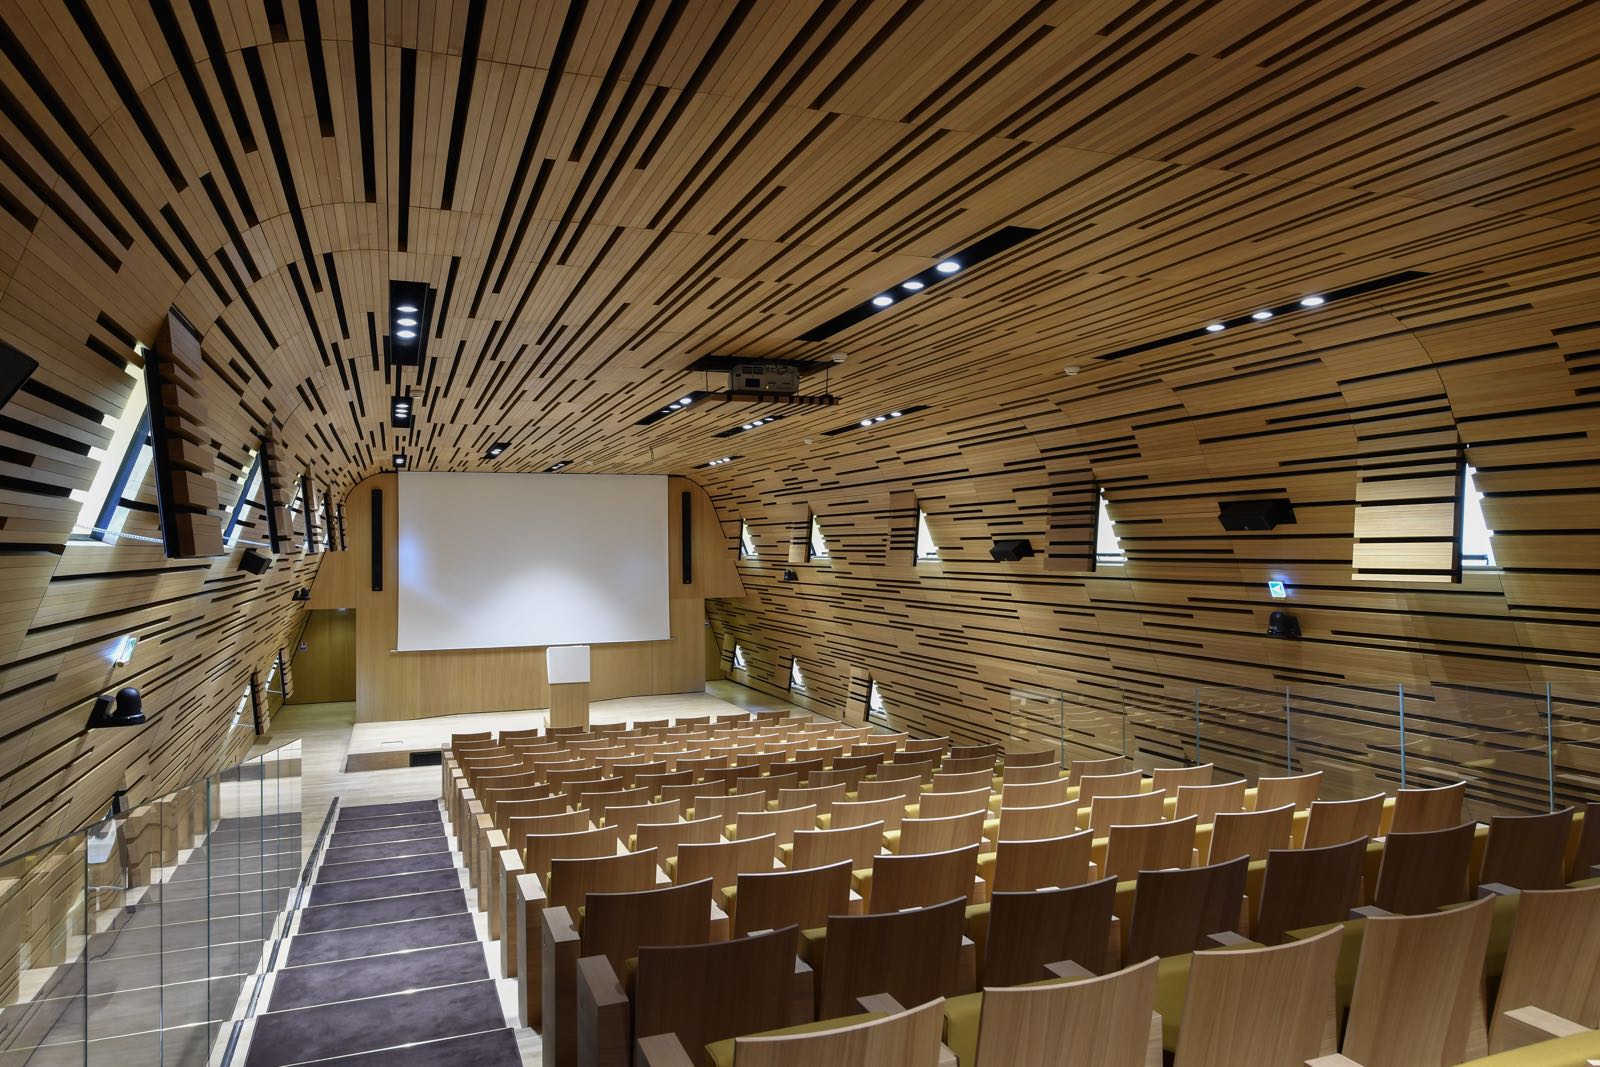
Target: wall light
(123,653)
(1278,590)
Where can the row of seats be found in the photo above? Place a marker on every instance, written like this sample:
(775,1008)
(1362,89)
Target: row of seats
(775,853)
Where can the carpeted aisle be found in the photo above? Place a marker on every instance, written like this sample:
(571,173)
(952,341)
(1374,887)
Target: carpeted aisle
(385,966)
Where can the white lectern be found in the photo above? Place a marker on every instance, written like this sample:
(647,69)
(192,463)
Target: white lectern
(567,667)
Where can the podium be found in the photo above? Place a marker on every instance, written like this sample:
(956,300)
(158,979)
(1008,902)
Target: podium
(567,667)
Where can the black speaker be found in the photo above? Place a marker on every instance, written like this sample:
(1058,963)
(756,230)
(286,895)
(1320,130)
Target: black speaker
(1009,551)
(14,370)
(687,540)
(1282,624)
(126,709)
(377,540)
(254,562)
(301,594)
(1255,514)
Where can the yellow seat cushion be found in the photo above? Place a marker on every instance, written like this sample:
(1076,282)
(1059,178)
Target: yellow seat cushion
(986,867)
(1574,1051)
(672,868)
(786,854)
(861,882)
(913,811)
(991,829)
(825,821)
(1172,989)
(961,1017)
(721,1052)
(891,840)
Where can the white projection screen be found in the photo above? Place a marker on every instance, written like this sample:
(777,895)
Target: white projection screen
(516,560)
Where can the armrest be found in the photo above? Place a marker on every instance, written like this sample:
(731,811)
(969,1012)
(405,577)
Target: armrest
(1496,889)
(1227,939)
(1530,1025)
(662,1050)
(1333,1060)
(1068,969)
(545,980)
(802,994)
(1370,911)
(603,1035)
(883,1002)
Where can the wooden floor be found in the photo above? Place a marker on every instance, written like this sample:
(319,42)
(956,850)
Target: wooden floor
(328,733)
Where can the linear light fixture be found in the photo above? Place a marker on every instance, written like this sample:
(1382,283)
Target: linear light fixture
(681,402)
(560,464)
(400,413)
(969,257)
(496,448)
(718,462)
(753,424)
(874,420)
(399,460)
(410,312)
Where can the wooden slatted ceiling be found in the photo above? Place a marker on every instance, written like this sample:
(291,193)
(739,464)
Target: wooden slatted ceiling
(602,191)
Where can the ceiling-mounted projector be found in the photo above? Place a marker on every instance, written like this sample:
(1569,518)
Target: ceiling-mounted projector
(781,379)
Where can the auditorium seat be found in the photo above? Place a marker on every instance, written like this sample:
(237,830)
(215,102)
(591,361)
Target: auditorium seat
(1333,822)
(697,993)
(624,820)
(780,825)
(1017,935)
(1306,887)
(1034,823)
(804,897)
(1135,847)
(937,805)
(895,883)
(1262,1007)
(1170,778)
(1251,833)
(819,848)
(1178,911)
(1018,866)
(961,782)
(1109,785)
(937,834)
(1109,765)
(1423,871)
(914,955)
(1105,812)
(1418,995)
(1527,851)
(1034,794)
(721,861)
(1205,801)
(1586,855)
(1552,965)
(890,811)
(1417,810)
(900,1038)
(668,837)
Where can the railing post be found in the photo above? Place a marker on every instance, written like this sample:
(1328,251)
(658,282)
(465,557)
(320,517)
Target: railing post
(1288,732)
(1401,688)
(1197,726)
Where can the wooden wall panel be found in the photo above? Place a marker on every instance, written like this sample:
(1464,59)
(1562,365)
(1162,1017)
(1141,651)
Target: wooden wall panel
(325,658)
(597,207)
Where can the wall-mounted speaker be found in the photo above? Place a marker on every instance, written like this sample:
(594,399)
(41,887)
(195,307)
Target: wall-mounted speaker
(377,540)
(1011,550)
(1282,624)
(254,562)
(686,516)
(14,370)
(1255,514)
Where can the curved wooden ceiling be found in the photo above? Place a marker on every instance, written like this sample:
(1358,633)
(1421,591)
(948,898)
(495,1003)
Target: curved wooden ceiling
(605,191)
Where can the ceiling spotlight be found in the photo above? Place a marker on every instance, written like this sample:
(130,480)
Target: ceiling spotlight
(406,322)
(405,335)
(748,426)
(1262,316)
(399,459)
(674,405)
(1070,369)
(913,285)
(686,401)
(880,418)
(1313,301)
(409,309)
(882,300)
(894,414)
(1215,327)
(949,266)
(866,422)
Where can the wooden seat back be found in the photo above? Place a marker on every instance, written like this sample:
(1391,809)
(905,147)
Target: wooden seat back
(1036,823)
(952,764)
(1175,911)
(914,956)
(1251,833)
(632,772)
(863,761)
(599,803)
(1259,1007)
(656,782)
(474,740)
(1109,765)
(1418,983)
(822,797)
(773,784)
(915,881)
(1527,851)
(909,790)
(779,825)
(989,752)
(540,849)
(1333,822)
(625,818)
(851,777)
(942,833)
(1028,773)
(1108,785)
(1028,931)
(1170,778)
(722,861)
(573,878)
(1135,847)
(944,805)
(615,925)
(686,795)
(710,992)
(890,811)
(1587,855)
(804,897)
(1553,961)
(728,806)
(1035,794)
(1033,758)
(917,766)
(1205,801)
(927,744)
(1126,810)
(908,1039)
(517,827)
(1104,1021)
(1420,810)
(1305,887)
(1423,871)
(1049,862)
(668,837)
(819,848)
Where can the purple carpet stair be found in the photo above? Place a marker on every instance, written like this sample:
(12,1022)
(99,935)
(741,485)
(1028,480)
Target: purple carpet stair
(386,966)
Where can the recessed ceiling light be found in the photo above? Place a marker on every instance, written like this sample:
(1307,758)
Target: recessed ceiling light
(409,309)
(748,426)
(866,422)
(880,418)
(1262,316)
(1215,327)
(894,414)
(399,460)
(406,322)
(1313,301)
(949,266)
(686,401)
(405,335)
(882,300)
(913,285)
(1071,369)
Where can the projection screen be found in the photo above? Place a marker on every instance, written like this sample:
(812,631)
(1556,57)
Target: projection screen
(514,560)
